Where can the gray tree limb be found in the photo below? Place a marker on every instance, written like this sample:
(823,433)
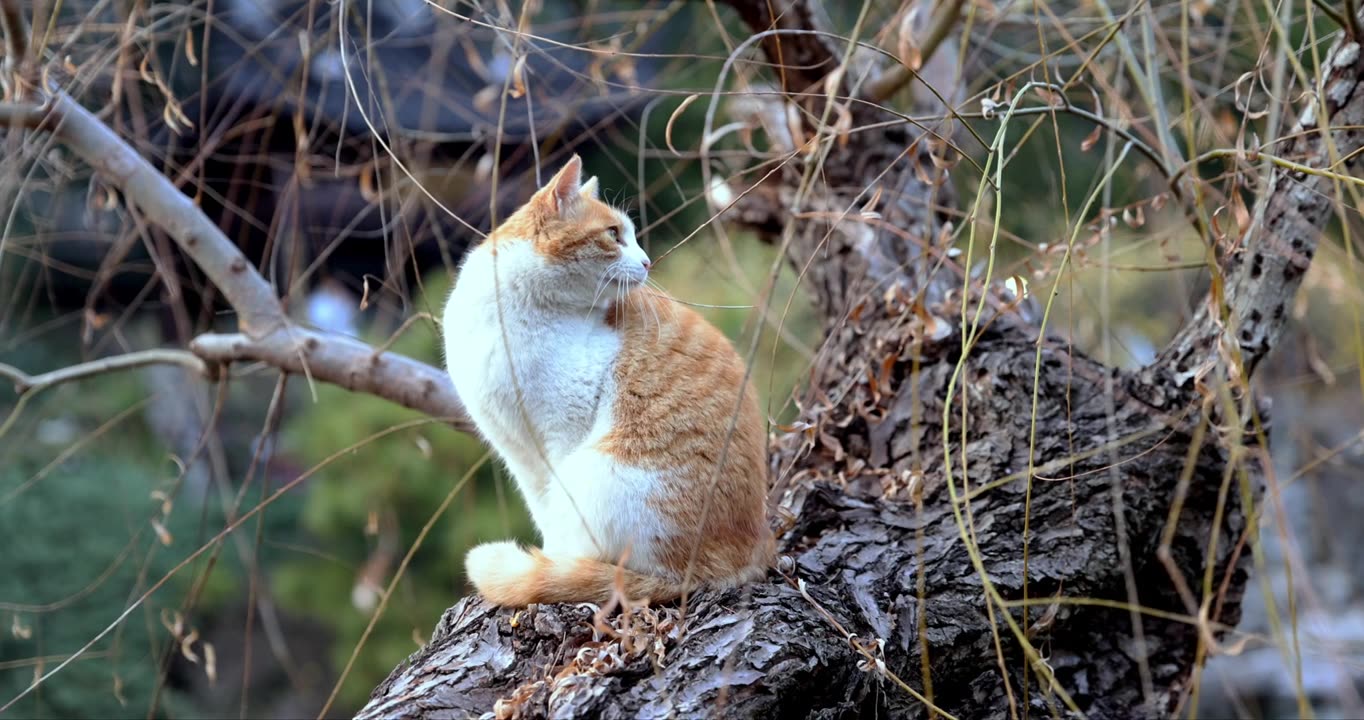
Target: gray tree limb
(267,333)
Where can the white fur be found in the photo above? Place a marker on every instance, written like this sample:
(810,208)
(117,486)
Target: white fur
(499,563)
(533,359)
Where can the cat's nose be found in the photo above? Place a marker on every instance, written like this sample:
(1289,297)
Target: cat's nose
(646,265)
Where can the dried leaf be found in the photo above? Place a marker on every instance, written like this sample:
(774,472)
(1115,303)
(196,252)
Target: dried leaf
(833,444)
(795,127)
(833,80)
(1091,139)
(906,44)
(166,503)
(625,70)
(19,629)
(1017,286)
(873,202)
(210,664)
(173,621)
(668,130)
(843,124)
(921,172)
(186,647)
(946,159)
(162,533)
(190,55)
(118,690)
(367,183)
(1240,213)
(518,78)
(1243,103)
(364,296)
(1053,99)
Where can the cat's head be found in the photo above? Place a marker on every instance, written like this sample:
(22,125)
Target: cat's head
(583,249)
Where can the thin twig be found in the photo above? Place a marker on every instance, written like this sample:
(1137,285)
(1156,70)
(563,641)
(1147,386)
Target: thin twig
(25,383)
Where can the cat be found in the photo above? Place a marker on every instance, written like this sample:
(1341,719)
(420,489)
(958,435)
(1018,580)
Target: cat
(624,417)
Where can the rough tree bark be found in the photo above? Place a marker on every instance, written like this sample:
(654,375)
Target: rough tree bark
(880,608)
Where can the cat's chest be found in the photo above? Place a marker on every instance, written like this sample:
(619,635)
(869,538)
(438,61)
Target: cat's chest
(524,373)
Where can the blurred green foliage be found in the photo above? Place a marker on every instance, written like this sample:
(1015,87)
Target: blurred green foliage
(79,546)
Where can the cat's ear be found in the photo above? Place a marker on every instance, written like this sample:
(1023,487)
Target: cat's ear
(589,190)
(562,195)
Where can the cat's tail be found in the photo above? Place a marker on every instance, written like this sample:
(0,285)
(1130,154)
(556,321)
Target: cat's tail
(512,576)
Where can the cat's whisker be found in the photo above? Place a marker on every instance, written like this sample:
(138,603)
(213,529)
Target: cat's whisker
(668,300)
(607,277)
(658,322)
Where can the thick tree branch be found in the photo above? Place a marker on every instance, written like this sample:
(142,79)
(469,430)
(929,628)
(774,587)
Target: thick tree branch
(1262,275)
(338,360)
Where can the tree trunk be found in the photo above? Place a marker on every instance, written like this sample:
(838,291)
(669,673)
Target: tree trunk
(922,506)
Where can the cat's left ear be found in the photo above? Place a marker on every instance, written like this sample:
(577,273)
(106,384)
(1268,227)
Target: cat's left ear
(589,190)
(563,195)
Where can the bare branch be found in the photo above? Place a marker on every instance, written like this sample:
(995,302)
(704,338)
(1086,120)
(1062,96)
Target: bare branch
(268,335)
(341,361)
(25,383)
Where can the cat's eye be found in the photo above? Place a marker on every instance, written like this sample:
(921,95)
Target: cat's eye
(615,234)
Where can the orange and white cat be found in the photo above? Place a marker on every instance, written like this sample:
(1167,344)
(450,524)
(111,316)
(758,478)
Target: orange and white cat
(623,416)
